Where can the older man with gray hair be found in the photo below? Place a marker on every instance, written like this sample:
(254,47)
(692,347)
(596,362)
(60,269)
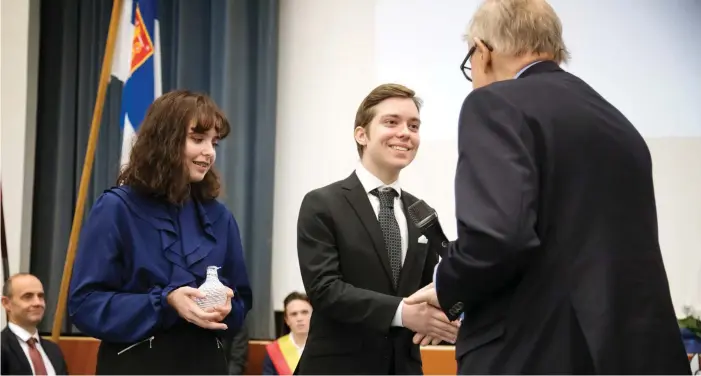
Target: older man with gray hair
(557,267)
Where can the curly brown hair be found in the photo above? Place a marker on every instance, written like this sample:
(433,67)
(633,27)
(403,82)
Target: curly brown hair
(156,163)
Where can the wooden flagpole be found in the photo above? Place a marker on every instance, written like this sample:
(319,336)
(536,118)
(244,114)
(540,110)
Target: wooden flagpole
(87,168)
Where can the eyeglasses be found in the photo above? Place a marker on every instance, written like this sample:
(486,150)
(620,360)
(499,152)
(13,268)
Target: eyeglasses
(464,67)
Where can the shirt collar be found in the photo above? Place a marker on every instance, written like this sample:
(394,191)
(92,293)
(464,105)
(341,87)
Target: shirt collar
(370,181)
(526,67)
(21,333)
(292,338)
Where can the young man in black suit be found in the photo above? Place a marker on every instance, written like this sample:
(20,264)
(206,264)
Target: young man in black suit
(359,253)
(24,352)
(557,267)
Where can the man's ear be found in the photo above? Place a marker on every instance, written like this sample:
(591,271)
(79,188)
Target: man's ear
(361,136)
(483,53)
(5,302)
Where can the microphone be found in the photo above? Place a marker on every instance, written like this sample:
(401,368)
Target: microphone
(426,219)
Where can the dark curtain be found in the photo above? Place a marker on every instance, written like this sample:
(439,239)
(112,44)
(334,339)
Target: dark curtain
(227,49)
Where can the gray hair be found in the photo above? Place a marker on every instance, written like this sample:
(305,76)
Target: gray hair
(518,27)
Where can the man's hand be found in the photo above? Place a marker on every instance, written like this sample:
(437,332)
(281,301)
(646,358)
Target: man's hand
(429,286)
(425,295)
(424,340)
(428,320)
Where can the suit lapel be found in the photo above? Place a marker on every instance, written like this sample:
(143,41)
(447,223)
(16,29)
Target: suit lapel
(13,342)
(48,349)
(358,199)
(412,261)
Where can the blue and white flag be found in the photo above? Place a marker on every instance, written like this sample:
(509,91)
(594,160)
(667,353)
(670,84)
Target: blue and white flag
(137,64)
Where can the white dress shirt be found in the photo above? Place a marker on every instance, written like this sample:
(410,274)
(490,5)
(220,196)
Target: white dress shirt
(370,182)
(300,349)
(22,337)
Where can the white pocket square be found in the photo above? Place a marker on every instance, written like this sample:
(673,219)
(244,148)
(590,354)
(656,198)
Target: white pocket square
(422,240)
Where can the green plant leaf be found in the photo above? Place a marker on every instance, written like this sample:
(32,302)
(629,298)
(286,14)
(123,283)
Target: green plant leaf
(691,323)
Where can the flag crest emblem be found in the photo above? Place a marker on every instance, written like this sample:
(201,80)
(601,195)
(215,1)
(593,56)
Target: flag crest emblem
(142,45)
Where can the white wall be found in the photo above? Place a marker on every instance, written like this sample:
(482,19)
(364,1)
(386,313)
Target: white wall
(332,53)
(19,62)
(326,67)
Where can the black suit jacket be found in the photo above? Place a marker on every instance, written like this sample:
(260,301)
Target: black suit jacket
(237,350)
(347,275)
(15,362)
(557,265)
(268,366)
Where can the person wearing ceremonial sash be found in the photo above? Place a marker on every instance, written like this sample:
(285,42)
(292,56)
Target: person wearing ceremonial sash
(282,355)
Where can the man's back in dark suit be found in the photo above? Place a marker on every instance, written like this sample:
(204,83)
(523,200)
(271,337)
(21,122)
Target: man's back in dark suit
(557,267)
(578,284)
(15,361)
(345,248)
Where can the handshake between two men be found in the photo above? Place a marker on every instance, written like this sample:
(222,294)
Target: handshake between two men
(422,314)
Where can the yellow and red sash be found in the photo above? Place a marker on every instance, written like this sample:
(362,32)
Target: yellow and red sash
(284,355)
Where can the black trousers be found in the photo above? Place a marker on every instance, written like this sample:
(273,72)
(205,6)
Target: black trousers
(185,349)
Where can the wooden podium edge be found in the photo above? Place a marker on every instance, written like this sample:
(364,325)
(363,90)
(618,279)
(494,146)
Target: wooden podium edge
(81,356)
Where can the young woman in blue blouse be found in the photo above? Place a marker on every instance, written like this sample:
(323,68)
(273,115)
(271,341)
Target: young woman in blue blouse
(146,246)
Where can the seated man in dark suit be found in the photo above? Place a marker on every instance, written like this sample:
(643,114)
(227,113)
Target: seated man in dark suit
(24,352)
